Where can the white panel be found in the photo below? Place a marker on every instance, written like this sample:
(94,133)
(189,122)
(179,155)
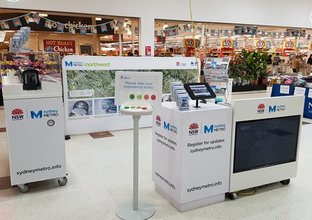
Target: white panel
(36,150)
(199,164)
(93,123)
(205,168)
(167,153)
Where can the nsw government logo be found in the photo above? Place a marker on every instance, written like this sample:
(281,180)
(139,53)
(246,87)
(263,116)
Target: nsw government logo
(193,129)
(261,108)
(158,121)
(17,114)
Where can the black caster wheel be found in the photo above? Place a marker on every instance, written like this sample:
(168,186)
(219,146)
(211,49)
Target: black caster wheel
(62,181)
(285,182)
(232,196)
(23,188)
(67,137)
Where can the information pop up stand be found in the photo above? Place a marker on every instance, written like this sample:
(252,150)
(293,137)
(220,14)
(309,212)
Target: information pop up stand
(266,134)
(136,92)
(191,154)
(216,74)
(35,130)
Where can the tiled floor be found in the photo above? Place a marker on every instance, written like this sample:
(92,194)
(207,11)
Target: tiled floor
(100,178)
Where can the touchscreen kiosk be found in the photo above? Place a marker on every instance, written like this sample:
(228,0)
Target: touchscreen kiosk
(199,91)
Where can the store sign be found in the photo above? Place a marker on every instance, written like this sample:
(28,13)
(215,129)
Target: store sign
(161,39)
(68,21)
(190,43)
(226,43)
(172,31)
(289,44)
(62,46)
(148,50)
(260,44)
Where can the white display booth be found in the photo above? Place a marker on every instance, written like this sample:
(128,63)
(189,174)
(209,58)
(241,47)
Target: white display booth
(191,154)
(35,130)
(265,141)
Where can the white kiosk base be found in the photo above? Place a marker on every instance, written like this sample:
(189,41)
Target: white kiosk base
(266,134)
(35,132)
(190,205)
(191,154)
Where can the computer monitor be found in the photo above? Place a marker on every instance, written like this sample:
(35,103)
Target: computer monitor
(265,142)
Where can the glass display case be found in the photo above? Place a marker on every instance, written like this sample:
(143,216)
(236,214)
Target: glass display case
(46,63)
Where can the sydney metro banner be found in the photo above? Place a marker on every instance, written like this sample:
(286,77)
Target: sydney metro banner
(89,88)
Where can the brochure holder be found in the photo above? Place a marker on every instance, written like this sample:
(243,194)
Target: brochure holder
(216,74)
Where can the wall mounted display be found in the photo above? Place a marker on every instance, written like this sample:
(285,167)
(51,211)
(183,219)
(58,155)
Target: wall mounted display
(86,49)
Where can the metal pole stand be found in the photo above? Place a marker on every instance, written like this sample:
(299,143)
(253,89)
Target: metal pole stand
(135,211)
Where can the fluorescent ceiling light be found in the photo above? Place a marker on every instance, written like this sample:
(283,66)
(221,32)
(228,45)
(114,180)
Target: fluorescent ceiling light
(98,19)
(43,15)
(13,0)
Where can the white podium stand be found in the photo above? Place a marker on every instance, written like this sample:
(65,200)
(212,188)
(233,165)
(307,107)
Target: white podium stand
(191,154)
(135,211)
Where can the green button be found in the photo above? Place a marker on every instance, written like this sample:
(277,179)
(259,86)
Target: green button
(139,97)
(126,107)
(131,96)
(132,107)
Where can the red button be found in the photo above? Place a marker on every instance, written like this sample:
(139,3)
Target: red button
(153,97)
(144,108)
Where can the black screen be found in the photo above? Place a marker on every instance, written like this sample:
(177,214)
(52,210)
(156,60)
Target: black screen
(266,142)
(199,91)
